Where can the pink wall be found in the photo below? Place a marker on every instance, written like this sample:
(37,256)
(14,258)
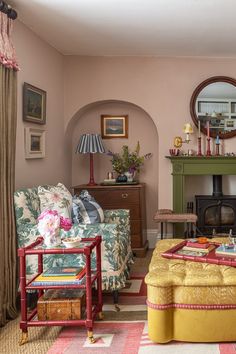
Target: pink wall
(42,66)
(161,86)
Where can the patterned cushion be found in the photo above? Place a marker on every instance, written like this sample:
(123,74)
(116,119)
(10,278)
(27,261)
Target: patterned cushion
(55,198)
(86,210)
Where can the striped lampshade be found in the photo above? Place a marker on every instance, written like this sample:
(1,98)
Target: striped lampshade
(90,143)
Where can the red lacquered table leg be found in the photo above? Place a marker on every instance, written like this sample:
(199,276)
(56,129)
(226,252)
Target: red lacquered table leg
(99,279)
(89,319)
(23,322)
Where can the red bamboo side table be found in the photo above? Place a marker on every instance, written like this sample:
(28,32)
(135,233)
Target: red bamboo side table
(37,248)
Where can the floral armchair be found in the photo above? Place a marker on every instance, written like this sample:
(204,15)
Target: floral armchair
(115,232)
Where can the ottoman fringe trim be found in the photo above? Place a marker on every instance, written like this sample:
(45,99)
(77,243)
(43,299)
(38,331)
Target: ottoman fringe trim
(190,306)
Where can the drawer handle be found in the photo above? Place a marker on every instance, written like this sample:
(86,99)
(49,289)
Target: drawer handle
(124,195)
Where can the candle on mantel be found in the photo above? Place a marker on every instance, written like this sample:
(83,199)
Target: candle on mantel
(199,129)
(208,129)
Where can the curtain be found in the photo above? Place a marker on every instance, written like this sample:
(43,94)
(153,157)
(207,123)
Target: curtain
(8,115)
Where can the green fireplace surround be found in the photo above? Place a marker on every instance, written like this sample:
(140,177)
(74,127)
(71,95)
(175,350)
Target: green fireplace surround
(195,166)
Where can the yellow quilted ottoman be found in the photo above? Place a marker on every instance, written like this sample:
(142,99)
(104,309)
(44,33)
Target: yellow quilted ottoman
(190,301)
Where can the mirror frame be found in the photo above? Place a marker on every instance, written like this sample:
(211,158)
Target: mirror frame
(195,95)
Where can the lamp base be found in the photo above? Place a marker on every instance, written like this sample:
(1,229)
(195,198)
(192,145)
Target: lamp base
(91,179)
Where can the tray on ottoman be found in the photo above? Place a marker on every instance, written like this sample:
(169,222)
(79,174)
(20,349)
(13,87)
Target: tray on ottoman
(62,304)
(211,257)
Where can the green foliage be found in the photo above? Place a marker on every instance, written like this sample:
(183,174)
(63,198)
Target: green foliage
(128,161)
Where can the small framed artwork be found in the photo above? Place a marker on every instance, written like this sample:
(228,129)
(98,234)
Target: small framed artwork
(34,104)
(34,143)
(114,126)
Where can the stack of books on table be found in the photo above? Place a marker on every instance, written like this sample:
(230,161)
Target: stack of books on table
(60,276)
(194,248)
(226,250)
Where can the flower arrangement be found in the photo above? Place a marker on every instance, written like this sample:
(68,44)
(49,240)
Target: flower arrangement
(128,161)
(49,225)
(65,223)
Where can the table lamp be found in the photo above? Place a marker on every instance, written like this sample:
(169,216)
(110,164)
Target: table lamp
(92,144)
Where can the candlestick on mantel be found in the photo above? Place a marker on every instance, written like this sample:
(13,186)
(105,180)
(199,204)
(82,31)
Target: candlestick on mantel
(208,152)
(199,129)
(199,146)
(208,129)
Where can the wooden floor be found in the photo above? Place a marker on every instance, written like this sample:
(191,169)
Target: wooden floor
(141,264)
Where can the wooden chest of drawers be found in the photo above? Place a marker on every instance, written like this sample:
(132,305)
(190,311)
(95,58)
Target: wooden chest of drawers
(125,196)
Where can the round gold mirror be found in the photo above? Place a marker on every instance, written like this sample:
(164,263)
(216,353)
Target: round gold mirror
(214,101)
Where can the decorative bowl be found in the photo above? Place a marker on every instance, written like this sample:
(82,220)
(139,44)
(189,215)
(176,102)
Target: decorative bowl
(174,152)
(71,242)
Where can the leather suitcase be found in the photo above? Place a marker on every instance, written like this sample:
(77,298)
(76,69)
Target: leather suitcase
(62,304)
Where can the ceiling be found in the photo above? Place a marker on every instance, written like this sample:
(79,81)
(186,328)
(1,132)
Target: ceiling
(204,28)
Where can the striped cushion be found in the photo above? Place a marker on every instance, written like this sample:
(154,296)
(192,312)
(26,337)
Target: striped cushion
(86,210)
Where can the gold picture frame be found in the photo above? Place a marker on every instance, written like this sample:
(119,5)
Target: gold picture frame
(114,126)
(34,104)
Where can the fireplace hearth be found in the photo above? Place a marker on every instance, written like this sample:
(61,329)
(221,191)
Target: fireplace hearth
(217,211)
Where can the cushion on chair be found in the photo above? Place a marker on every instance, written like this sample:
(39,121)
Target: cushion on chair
(55,198)
(86,210)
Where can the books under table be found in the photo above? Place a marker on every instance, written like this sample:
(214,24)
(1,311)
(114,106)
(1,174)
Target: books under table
(59,280)
(62,271)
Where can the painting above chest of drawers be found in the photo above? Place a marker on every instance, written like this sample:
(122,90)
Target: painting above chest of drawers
(124,196)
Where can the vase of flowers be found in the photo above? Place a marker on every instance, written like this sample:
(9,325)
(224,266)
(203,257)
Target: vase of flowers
(128,163)
(50,225)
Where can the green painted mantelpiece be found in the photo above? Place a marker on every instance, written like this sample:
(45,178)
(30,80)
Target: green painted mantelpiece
(193,165)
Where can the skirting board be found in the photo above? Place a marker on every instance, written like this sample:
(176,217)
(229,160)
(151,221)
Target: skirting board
(153,236)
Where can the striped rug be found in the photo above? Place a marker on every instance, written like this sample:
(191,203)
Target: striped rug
(128,338)
(126,331)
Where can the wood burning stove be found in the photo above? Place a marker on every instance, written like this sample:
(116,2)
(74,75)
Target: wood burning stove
(217,211)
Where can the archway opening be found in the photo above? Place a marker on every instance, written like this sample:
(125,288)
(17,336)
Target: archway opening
(140,128)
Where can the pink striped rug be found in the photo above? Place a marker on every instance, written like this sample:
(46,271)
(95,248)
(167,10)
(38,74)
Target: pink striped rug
(128,338)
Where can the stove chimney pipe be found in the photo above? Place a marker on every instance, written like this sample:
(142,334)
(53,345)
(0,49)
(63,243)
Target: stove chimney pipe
(217,186)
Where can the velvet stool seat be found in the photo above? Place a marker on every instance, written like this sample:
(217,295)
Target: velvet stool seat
(165,216)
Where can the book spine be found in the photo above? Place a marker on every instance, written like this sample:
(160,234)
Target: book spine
(197,245)
(60,273)
(48,283)
(62,276)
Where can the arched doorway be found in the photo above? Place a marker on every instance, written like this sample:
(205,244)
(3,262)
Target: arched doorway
(140,128)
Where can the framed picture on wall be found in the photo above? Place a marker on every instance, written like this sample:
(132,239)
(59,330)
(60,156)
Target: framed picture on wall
(34,143)
(114,126)
(34,104)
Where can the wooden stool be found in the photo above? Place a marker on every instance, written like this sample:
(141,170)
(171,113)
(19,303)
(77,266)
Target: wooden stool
(168,216)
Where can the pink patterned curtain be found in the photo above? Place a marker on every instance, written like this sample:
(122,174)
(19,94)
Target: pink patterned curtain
(7,50)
